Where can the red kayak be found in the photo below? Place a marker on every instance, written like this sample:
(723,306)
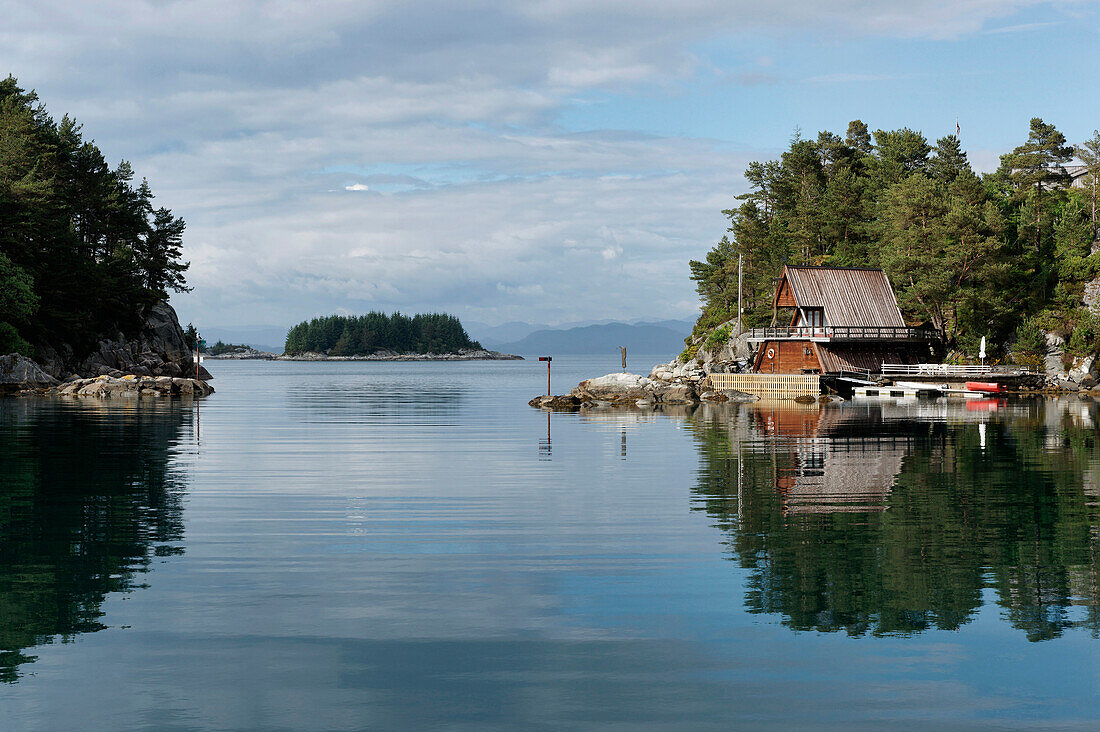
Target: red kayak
(990,387)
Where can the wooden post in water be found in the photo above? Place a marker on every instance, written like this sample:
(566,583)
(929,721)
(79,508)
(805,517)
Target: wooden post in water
(547,359)
(622,352)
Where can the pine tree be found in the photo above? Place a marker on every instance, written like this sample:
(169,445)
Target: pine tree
(1038,166)
(1089,152)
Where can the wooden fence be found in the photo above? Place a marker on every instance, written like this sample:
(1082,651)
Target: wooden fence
(768,386)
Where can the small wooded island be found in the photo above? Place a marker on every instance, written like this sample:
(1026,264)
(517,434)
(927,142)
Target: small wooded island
(377,336)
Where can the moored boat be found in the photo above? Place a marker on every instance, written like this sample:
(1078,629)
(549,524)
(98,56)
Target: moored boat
(988,387)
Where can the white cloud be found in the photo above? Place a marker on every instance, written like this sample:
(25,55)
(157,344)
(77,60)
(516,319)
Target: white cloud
(245,116)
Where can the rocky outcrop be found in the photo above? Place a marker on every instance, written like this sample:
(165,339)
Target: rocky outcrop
(626,388)
(567,402)
(18,373)
(246,353)
(133,387)
(157,348)
(614,388)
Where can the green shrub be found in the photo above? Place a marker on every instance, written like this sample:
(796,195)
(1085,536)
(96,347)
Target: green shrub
(12,342)
(689,353)
(717,337)
(1029,338)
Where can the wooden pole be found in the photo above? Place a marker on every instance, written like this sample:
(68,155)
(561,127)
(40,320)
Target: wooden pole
(547,359)
(622,353)
(739,331)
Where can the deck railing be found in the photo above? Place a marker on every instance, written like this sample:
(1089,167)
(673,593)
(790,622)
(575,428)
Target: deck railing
(945,369)
(842,333)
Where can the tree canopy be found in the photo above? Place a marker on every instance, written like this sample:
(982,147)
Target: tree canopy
(968,255)
(362,335)
(82,248)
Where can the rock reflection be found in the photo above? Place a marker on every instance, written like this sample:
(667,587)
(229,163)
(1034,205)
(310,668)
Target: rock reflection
(88,496)
(896,518)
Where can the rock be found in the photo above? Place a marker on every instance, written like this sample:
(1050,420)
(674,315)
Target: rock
(567,401)
(713,396)
(806,399)
(613,388)
(155,347)
(242,354)
(19,372)
(1082,368)
(727,356)
(1052,360)
(132,386)
(734,395)
(676,393)
(662,372)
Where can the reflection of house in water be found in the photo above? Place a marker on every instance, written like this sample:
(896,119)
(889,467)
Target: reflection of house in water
(828,468)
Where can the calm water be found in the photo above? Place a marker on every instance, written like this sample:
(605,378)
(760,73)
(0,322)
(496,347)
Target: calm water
(403,546)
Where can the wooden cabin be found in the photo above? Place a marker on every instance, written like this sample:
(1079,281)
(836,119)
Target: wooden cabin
(843,320)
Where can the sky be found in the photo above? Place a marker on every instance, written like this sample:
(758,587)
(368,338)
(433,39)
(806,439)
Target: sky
(547,161)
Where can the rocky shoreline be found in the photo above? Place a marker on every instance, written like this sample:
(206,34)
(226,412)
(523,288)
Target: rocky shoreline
(682,384)
(20,375)
(667,384)
(153,361)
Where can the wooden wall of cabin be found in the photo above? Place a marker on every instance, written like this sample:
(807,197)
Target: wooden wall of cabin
(788,357)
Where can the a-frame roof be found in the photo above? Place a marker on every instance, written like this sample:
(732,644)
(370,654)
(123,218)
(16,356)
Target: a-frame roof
(848,295)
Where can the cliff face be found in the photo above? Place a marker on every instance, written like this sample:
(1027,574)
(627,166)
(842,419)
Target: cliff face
(157,349)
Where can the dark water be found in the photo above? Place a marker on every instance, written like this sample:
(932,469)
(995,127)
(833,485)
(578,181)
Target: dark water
(400,546)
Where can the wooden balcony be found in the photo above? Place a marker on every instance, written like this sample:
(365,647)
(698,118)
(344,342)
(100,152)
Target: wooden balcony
(831,333)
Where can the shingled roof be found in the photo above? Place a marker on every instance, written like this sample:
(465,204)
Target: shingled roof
(849,296)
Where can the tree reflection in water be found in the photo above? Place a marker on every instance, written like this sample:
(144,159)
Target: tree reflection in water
(893,519)
(88,496)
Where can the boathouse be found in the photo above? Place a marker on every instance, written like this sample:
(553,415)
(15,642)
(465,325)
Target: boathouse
(841,320)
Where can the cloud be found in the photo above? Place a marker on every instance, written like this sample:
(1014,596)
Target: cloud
(1020,28)
(246,116)
(848,78)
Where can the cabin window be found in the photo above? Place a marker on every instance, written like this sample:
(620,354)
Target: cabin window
(814,317)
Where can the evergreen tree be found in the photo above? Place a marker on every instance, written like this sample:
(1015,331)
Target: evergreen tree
(1038,166)
(1089,152)
(90,247)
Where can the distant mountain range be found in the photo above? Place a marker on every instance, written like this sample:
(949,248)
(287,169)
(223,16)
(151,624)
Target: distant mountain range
(492,336)
(649,339)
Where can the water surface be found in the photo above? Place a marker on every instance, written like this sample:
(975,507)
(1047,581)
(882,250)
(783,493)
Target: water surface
(361,545)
